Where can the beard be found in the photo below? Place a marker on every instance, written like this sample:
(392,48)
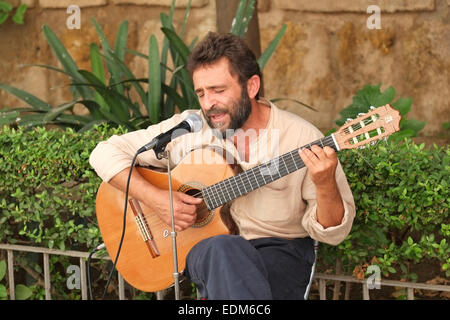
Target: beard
(239,112)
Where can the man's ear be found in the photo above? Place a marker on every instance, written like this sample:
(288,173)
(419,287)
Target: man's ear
(253,86)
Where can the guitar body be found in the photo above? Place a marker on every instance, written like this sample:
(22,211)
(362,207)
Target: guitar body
(136,263)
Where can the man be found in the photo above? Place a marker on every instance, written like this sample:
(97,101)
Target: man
(272,255)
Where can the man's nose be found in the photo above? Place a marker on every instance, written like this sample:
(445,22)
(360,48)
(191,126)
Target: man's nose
(208,102)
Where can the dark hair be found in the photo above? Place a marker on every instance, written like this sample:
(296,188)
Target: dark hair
(216,46)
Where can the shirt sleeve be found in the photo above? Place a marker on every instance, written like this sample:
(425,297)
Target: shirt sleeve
(115,154)
(332,235)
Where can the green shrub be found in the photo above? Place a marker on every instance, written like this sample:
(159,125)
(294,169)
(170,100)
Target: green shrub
(47,187)
(6,10)
(47,199)
(402,197)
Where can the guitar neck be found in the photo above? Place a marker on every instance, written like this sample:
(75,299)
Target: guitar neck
(227,190)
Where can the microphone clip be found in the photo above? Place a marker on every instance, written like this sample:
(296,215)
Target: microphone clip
(160,152)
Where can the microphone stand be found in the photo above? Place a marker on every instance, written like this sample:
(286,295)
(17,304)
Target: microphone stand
(176,274)
(193,123)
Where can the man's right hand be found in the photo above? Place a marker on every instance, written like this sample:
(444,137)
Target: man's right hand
(184,208)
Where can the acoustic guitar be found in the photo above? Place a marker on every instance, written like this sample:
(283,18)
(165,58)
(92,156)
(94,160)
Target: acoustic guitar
(146,258)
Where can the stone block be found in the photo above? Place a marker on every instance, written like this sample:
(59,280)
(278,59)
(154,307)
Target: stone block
(264,5)
(355,5)
(32,80)
(164,3)
(29,3)
(56,4)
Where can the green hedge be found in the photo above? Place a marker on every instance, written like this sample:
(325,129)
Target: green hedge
(47,198)
(47,187)
(402,197)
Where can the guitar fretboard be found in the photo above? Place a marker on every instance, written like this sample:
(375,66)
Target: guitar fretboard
(227,190)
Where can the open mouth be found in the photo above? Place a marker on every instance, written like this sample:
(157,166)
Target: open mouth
(218,117)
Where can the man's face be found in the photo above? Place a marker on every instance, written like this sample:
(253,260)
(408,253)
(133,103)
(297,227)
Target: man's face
(225,103)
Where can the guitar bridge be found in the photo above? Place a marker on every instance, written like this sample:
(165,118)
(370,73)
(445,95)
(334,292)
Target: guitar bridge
(143,227)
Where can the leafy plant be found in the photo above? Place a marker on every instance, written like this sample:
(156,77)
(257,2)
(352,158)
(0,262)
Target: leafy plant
(371,95)
(6,10)
(107,93)
(22,292)
(3,291)
(47,188)
(402,196)
(446,126)
(105,103)
(47,197)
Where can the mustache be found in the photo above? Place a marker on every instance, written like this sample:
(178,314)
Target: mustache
(216,110)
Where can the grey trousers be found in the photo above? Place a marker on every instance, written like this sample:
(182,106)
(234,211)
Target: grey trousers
(228,267)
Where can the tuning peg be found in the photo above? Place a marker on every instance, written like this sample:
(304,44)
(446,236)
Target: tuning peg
(361,114)
(372,108)
(349,120)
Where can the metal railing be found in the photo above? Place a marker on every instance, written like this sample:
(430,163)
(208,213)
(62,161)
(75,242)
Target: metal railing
(320,277)
(46,253)
(410,286)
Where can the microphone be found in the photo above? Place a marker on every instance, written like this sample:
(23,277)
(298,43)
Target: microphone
(192,123)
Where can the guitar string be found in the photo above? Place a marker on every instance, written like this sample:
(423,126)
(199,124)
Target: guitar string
(355,127)
(218,198)
(152,222)
(221,186)
(289,167)
(251,173)
(250,183)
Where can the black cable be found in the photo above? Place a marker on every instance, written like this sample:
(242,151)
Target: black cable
(100,247)
(124,225)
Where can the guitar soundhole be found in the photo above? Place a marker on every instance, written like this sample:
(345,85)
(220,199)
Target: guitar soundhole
(204,216)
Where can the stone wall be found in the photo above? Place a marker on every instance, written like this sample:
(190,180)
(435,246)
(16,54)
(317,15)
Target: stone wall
(326,55)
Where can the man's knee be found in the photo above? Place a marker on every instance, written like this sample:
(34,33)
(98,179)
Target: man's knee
(220,242)
(218,247)
(225,241)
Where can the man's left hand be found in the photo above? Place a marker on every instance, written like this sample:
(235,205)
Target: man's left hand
(321,164)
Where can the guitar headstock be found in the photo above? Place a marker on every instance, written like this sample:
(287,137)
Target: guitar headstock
(377,124)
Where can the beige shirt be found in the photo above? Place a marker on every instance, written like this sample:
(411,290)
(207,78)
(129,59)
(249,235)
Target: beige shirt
(284,208)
